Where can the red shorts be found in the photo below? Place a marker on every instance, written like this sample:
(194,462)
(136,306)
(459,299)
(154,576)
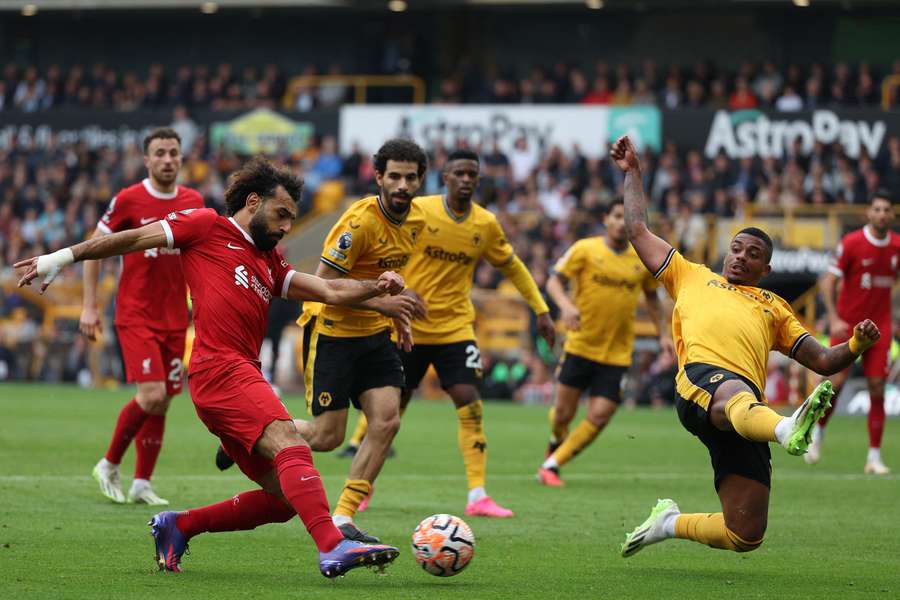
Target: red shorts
(877,359)
(236,404)
(153,355)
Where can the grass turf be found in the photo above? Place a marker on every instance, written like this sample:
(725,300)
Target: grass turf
(832,531)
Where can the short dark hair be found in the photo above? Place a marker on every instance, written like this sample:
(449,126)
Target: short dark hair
(401,150)
(161,133)
(760,235)
(882,194)
(463,154)
(260,176)
(615,202)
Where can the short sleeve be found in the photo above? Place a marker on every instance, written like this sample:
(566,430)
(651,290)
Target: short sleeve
(282,272)
(571,263)
(499,251)
(116,218)
(791,332)
(345,242)
(840,261)
(673,272)
(184,228)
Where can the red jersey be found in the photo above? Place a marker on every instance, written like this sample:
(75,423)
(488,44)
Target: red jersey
(232,283)
(151,289)
(868,267)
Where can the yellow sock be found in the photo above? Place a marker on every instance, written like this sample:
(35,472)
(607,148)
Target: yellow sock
(558,433)
(355,490)
(752,419)
(362,425)
(709,529)
(472,443)
(577,441)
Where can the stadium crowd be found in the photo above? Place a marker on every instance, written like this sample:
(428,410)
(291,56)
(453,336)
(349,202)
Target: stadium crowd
(228,87)
(52,196)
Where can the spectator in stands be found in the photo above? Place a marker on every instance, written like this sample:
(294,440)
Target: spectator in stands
(742,98)
(789,101)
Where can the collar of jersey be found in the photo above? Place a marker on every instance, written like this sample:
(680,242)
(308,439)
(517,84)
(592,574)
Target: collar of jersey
(388,216)
(156,193)
(453,215)
(241,229)
(874,240)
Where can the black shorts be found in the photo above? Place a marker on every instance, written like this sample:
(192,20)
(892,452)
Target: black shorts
(459,362)
(337,370)
(584,374)
(729,453)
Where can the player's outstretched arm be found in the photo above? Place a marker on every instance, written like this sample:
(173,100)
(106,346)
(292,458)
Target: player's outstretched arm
(652,249)
(828,361)
(406,305)
(48,266)
(304,286)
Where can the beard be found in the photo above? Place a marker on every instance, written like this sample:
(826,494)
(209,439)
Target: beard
(264,239)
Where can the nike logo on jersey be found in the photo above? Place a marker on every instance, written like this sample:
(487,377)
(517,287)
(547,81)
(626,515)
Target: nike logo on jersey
(148,220)
(233,247)
(308,478)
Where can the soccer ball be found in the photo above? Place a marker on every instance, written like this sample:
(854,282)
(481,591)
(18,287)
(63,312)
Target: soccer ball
(443,545)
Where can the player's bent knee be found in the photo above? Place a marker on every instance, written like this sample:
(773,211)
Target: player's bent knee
(740,544)
(152,399)
(326,441)
(385,428)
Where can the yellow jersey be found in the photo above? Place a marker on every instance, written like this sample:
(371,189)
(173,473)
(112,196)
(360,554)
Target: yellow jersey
(443,265)
(725,325)
(365,242)
(608,285)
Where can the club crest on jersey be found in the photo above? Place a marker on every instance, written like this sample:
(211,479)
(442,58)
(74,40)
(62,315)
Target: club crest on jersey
(476,239)
(345,241)
(414,233)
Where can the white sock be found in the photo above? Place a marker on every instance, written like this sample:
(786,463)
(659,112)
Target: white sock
(550,463)
(783,429)
(140,483)
(476,494)
(668,525)
(339,520)
(818,433)
(105,464)
(874,455)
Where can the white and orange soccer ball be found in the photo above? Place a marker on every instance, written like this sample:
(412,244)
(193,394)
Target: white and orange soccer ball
(443,545)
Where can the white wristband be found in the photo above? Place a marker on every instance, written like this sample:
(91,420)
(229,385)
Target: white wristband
(52,263)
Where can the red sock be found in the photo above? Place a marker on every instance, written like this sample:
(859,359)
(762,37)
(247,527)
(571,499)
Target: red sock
(147,444)
(245,511)
(876,421)
(302,486)
(131,418)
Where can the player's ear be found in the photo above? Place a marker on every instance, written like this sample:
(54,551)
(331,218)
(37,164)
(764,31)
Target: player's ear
(766,270)
(253,202)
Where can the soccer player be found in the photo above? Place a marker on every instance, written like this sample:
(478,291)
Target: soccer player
(350,357)
(608,278)
(724,327)
(151,317)
(866,264)
(457,235)
(233,270)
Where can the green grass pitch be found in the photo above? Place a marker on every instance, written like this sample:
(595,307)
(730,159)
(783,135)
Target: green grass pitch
(833,533)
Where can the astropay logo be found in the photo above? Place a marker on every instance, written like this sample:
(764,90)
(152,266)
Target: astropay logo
(240,276)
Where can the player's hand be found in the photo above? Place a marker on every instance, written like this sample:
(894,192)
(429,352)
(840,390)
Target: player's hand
(420,310)
(28,270)
(865,334)
(547,329)
(839,328)
(624,154)
(571,318)
(390,283)
(399,306)
(404,334)
(90,323)
(667,346)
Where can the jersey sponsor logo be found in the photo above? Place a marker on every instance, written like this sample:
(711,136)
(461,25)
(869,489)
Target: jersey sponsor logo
(324,399)
(393,262)
(336,254)
(240,276)
(716,378)
(727,286)
(612,282)
(233,247)
(345,241)
(157,252)
(439,253)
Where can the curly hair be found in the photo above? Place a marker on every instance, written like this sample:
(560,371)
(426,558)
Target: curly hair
(260,176)
(400,150)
